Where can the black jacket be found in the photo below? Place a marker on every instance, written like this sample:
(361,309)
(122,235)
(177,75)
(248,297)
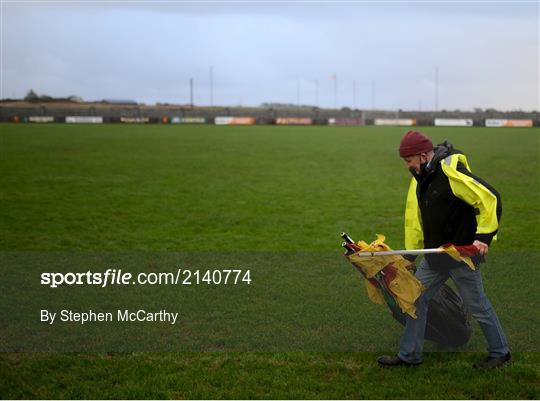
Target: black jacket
(445,216)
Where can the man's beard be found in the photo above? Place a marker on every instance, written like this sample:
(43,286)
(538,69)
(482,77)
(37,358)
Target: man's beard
(422,173)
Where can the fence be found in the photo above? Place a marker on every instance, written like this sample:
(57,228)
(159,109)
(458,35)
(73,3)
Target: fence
(170,114)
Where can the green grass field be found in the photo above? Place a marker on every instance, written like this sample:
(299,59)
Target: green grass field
(257,191)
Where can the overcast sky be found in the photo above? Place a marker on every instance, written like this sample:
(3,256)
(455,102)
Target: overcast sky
(486,53)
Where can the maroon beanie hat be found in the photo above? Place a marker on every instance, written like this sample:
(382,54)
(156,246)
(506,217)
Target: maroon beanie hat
(414,143)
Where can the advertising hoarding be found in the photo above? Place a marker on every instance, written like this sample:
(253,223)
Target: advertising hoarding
(453,122)
(494,122)
(188,120)
(406,122)
(84,119)
(134,120)
(234,121)
(345,121)
(41,119)
(293,121)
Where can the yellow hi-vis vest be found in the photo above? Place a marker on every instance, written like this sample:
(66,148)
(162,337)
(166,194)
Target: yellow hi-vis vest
(463,187)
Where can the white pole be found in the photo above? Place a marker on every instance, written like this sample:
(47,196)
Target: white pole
(399,252)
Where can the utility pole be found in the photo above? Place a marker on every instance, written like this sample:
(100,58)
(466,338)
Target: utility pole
(316,93)
(298,93)
(335,91)
(211,86)
(437,88)
(354,94)
(372,95)
(191,92)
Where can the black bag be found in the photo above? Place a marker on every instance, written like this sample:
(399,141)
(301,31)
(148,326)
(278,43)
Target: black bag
(448,321)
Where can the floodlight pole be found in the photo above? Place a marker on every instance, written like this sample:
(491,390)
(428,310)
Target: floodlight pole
(372,95)
(335,91)
(354,93)
(437,88)
(211,86)
(191,92)
(298,94)
(317,93)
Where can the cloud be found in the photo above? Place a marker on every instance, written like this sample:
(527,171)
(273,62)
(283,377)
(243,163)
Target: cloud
(260,51)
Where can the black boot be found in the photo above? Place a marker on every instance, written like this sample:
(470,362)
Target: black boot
(390,361)
(492,362)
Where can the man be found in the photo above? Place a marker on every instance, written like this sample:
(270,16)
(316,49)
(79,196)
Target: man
(446,203)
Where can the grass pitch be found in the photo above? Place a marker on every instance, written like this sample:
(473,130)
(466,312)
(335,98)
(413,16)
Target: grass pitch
(264,189)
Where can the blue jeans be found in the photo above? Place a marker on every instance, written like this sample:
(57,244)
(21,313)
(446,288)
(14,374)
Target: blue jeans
(469,285)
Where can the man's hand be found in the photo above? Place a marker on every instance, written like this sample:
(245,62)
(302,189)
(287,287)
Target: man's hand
(482,248)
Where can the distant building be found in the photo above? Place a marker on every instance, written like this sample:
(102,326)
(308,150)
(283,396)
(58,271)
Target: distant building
(76,99)
(119,101)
